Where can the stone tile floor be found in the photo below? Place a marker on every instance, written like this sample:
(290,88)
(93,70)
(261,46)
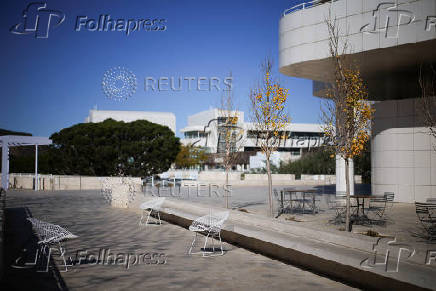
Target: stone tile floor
(101,227)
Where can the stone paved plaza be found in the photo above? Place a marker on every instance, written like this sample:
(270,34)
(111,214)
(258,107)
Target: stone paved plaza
(101,227)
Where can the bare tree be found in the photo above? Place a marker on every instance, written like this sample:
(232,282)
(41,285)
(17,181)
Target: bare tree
(269,118)
(346,114)
(230,133)
(427,82)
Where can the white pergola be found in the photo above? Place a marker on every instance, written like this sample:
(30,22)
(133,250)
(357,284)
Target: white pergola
(7,141)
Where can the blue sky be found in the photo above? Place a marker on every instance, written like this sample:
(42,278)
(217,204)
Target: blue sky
(48,84)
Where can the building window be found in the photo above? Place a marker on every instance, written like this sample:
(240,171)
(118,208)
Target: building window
(305,135)
(222,120)
(194,134)
(251,134)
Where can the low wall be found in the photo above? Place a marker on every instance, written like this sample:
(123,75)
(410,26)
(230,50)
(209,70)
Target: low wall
(237,178)
(211,176)
(63,182)
(60,182)
(262,179)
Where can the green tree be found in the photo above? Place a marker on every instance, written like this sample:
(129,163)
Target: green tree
(138,148)
(10,132)
(190,156)
(316,162)
(269,118)
(346,114)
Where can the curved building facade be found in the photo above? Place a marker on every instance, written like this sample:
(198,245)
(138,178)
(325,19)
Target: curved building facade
(389,40)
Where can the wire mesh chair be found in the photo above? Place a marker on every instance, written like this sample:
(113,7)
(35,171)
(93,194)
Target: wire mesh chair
(280,203)
(339,204)
(50,235)
(378,206)
(426,213)
(153,205)
(299,201)
(209,225)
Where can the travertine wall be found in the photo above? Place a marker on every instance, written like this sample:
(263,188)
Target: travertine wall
(278,179)
(403,159)
(60,182)
(218,176)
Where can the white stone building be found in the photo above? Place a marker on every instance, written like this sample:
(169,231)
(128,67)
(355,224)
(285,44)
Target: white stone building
(388,40)
(162,118)
(203,130)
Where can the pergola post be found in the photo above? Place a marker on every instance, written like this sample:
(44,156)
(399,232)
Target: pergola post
(36,168)
(5,165)
(19,140)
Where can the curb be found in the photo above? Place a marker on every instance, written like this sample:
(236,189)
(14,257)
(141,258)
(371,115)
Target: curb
(350,275)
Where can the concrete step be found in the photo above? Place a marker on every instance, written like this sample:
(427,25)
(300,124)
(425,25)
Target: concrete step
(344,256)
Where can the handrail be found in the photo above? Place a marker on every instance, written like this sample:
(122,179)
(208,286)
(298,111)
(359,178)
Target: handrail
(305,5)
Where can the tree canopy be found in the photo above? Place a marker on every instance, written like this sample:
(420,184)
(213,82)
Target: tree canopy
(190,156)
(316,162)
(11,132)
(138,148)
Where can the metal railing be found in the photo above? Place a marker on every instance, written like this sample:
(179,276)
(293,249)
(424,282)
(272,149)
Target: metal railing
(305,5)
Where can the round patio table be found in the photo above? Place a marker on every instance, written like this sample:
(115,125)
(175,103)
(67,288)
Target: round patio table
(360,215)
(293,191)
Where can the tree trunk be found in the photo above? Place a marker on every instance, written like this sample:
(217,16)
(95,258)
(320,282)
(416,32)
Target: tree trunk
(227,183)
(270,200)
(347,187)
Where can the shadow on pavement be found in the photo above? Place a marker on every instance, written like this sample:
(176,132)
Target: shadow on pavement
(358,189)
(20,248)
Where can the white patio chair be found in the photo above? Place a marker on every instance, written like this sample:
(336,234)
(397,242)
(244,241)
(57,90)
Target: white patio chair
(209,225)
(150,206)
(48,235)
